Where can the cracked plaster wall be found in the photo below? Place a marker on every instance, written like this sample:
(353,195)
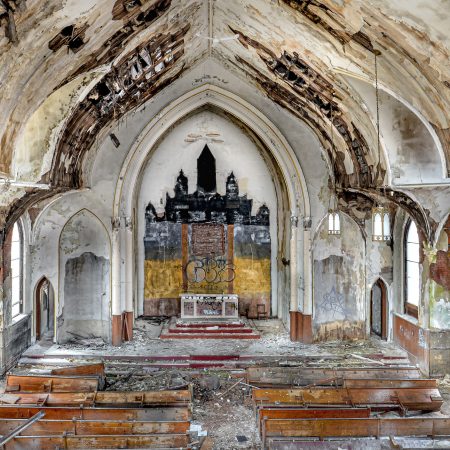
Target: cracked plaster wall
(339,283)
(84,279)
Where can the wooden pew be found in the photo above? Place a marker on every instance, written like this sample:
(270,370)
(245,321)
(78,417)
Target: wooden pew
(40,383)
(104,399)
(180,413)
(335,428)
(390,383)
(425,399)
(302,376)
(266,413)
(69,442)
(46,427)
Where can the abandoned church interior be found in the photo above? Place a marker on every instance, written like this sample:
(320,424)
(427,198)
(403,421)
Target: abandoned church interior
(224,224)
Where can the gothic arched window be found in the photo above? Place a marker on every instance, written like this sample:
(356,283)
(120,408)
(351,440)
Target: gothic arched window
(334,223)
(412,269)
(16,271)
(381,230)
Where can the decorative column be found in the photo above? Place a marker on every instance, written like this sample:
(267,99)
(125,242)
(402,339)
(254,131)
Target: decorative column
(116,309)
(129,270)
(293,310)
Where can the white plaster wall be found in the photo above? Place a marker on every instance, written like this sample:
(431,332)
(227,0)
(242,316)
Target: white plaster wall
(412,151)
(237,153)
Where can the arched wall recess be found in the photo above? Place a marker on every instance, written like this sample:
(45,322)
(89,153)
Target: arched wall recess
(84,287)
(283,155)
(339,281)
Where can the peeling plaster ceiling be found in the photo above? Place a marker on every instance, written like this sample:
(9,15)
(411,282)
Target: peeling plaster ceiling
(71,67)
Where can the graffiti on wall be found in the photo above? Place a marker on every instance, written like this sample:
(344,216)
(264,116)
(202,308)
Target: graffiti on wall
(205,242)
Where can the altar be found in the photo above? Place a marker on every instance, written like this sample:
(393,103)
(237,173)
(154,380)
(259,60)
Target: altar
(209,306)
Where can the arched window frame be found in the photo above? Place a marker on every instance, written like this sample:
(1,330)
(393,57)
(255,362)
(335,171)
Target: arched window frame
(334,223)
(381,227)
(16,270)
(411,265)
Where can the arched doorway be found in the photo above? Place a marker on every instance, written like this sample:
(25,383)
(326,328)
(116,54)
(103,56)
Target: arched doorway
(378,309)
(44,307)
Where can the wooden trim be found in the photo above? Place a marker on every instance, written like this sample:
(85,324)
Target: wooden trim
(411,310)
(184,253)
(116,336)
(230,254)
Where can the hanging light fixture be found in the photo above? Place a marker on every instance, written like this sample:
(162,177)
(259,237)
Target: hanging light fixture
(334,221)
(381,229)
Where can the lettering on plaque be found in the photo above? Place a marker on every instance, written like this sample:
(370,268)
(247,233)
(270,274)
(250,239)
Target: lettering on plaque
(208,239)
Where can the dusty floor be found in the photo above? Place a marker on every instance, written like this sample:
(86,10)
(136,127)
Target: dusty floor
(222,403)
(274,342)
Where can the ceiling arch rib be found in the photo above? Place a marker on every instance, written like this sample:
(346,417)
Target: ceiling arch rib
(326,34)
(266,131)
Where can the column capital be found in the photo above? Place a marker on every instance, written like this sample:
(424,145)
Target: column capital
(129,223)
(294,221)
(115,223)
(307,222)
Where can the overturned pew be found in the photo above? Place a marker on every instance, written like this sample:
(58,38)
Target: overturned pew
(302,376)
(42,383)
(404,399)
(96,369)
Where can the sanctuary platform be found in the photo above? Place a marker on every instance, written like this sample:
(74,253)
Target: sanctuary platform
(208,329)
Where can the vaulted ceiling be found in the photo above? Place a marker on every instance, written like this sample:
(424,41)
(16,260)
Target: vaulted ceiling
(68,68)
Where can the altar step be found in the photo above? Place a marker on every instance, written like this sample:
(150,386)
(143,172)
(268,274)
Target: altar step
(209,330)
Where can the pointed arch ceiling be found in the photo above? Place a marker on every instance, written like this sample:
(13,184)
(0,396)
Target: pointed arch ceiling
(99,59)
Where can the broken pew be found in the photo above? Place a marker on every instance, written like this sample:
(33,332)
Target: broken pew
(304,376)
(42,383)
(84,370)
(97,369)
(424,399)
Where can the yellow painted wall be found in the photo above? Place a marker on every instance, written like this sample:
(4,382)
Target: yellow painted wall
(163,279)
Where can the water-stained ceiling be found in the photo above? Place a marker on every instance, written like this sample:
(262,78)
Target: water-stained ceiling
(69,68)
